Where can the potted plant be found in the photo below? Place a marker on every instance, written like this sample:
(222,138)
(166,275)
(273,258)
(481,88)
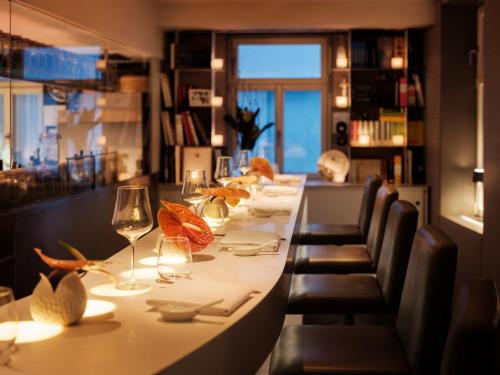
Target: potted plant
(244,123)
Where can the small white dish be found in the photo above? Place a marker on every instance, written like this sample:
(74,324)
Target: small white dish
(178,313)
(246,251)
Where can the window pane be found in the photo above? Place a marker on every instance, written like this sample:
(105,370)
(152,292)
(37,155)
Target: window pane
(302,131)
(265,101)
(28,125)
(279,61)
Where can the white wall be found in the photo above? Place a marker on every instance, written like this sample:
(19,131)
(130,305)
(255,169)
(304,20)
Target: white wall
(128,22)
(294,14)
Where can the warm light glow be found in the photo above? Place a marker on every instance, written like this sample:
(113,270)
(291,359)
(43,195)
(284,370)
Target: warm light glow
(364,139)
(170,259)
(398,139)
(29,331)
(217,140)
(100,64)
(97,307)
(477,223)
(216,101)
(479,170)
(341,60)
(109,290)
(141,273)
(101,140)
(341,101)
(214,222)
(217,64)
(101,101)
(397,62)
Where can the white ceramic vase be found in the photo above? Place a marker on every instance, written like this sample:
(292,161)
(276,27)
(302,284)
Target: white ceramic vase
(65,305)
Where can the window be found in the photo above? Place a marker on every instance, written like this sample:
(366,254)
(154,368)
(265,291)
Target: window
(285,79)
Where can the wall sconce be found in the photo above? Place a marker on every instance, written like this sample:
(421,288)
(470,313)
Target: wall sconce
(342,101)
(216,101)
(397,62)
(217,140)
(364,139)
(341,59)
(217,64)
(101,101)
(477,178)
(398,140)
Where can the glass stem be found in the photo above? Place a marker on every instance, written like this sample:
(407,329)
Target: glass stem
(132,264)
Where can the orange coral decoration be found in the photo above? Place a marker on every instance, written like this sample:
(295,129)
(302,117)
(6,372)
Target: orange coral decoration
(177,220)
(262,166)
(230,194)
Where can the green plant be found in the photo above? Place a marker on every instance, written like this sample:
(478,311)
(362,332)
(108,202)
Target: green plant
(244,124)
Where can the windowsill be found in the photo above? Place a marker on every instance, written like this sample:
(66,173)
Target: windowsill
(467,221)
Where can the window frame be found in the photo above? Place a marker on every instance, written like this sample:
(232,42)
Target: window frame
(279,85)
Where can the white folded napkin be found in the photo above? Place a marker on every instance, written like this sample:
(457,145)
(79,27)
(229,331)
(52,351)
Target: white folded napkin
(277,190)
(287,179)
(270,207)
(247,238)
(193,293)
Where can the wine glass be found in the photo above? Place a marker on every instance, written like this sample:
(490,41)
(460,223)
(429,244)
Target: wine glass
(244,161)
(174,259)
(224,170)
(195,181)
(132,219)
(8,324)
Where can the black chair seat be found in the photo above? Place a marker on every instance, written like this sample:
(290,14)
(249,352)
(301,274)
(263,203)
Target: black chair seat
(335,294)
(333,259)
(338,350)
(331,234)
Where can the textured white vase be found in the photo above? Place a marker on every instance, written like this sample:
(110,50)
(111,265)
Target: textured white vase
(65,305)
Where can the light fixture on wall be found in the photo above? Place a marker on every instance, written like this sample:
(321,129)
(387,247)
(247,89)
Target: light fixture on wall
(342,101)
(397,62)
(218,140)
(341,61)
(216,101)
(217,64)
(477,178)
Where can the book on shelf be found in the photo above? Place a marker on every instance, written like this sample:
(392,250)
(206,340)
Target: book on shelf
(194,136)
(388,130)
(172,56)
(178,164)
(398,169)
(402,92)
(168,131)
(165,90)
(416,133)
(178,130)
(418,90)
(188,138)
(202,133)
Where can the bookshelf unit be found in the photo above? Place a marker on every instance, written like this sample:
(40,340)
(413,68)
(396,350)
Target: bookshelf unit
(188,86)
(377,103)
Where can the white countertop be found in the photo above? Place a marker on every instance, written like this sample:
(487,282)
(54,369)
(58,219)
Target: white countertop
(132,340)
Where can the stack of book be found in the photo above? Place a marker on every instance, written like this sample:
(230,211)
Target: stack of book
(388,130)
(188,130)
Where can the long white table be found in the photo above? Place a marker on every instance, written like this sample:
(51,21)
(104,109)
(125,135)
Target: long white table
(133,340)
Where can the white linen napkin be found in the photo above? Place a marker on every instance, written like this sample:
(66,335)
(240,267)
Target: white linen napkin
(287,179)
(277,190)
(198,292)
(235,238)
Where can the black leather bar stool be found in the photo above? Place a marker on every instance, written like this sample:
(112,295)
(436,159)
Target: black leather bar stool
(414,346)
(351,294)
(350,258)
(471,345)
(331,234)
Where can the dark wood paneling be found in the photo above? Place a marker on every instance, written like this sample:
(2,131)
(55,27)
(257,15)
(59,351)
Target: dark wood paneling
(491,244)
(432,65)
(469,251)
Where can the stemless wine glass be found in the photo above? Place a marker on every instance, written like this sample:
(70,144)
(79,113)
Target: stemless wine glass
(244,161)
(213,214)
(132,219)
(224,170)
(195,181)
(8,324)
(174,258)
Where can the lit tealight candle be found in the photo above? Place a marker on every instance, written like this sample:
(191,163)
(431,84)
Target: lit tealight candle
(341,101)
(217,140)
(397,62)
(217,64)
(217,101)
(341,60)
(364,139)
(398,140)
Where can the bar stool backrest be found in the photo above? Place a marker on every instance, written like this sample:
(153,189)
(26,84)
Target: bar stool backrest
(395,253)
(424,311)
(386,195)
(373,183)
(471,344)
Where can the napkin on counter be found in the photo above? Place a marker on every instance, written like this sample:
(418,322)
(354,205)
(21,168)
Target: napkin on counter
(197,292)
(270,207)
(287,179)
(235,238)
(277,190)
